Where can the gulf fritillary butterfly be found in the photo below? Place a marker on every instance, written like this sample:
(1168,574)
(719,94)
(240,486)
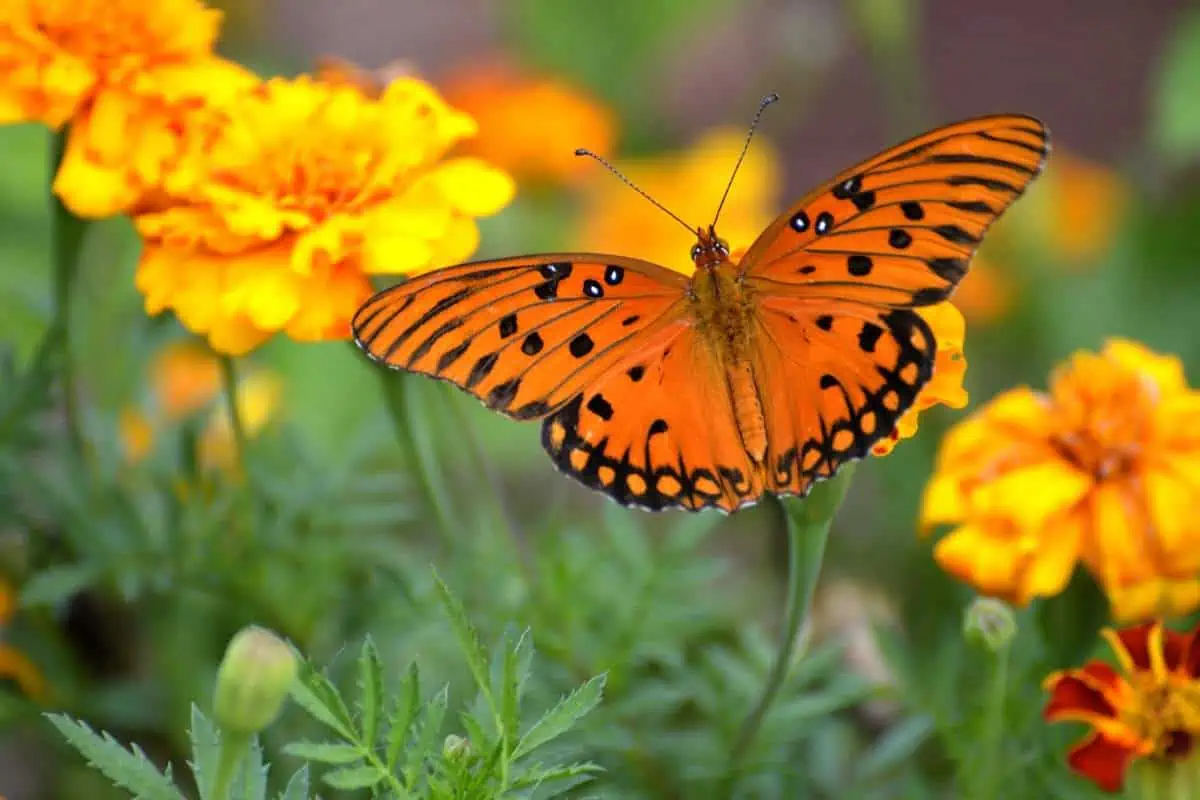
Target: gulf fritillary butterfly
(664,390)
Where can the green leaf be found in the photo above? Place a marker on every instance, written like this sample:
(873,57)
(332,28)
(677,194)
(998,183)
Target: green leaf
(408,704)
(316,695)
(325,752)
(564,777)
(468,638)
(1070,623)
(562,717)
(350,778)
(58,584)
(251,780)
(297,787)
(206,751)
(370,691)
(895,748)
(128,770)
(513,662)
(429,725)
(1177,114)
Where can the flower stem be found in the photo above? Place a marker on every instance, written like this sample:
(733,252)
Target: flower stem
(66,232)
(229,382)
(990,779)
(233,748)
(808,523)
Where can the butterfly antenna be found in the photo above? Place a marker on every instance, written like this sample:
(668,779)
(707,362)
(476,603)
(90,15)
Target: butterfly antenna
(584,152)
(766,101)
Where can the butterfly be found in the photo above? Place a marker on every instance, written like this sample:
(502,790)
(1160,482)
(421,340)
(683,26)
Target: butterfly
(761,376)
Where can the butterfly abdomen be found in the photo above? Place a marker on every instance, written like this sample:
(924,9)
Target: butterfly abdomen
(748,410)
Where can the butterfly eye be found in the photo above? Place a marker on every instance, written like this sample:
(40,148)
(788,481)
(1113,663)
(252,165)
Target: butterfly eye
(722,247)
(696,251)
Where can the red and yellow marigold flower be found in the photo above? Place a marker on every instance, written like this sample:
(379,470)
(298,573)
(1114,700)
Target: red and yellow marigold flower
(1103,469)
(530,124)
(307,190)
(1149,708)
(129,76)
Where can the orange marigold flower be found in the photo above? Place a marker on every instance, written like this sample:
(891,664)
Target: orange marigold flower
(1088,199)
(617,220)
(1149,708)
(128,75)
(303,193)
(530,124)
(1105,468)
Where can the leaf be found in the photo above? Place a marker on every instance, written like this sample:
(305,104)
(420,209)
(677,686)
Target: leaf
(370,691)
(513,668)
(297,787)
(251,780)
(58,584)
(350,778)
(1176,119)
(468,638)
(895,748)
(127,769)
(565,777)
(408,704)
(1070,623)
(316,695)
(429,725)
(562,717)
(325,752)
(206,751)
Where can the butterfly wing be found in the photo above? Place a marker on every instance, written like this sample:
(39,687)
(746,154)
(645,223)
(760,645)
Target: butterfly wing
(657,430)
(840,353)
(524,335)
(900,228)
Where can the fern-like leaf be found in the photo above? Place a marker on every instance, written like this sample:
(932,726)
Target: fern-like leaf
(128,769)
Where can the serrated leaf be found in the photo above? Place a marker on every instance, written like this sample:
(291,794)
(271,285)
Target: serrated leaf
(370,691)
(468,637)
(408,704)
(325,752)
(429,725)
(206,751)
(316,695)
(350,778)
(513,667)
(251,780)
(297,787)
(562,717)
(574,774)
(128,769)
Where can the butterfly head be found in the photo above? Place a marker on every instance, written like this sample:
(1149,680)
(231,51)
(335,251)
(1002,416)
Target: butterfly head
(710,250)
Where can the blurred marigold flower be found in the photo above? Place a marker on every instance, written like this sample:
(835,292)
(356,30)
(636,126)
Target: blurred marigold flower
(304,192)
(1105,468)
(1148,709)
(14,665)
(185,379)
(129,77)
(530,124)
(1088,200)
(618,220)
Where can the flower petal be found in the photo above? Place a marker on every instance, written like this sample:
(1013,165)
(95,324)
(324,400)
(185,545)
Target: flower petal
(1103,760)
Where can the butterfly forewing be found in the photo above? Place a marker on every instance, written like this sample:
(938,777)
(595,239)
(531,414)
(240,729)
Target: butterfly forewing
(899,229)
(523,335)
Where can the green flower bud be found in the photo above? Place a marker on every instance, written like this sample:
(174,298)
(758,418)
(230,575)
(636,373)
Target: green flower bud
(457,748)
(991,623)
(253,681)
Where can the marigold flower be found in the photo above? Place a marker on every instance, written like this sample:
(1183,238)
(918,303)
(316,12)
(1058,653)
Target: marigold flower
(1089,200)
(1149,708)
(530,124)
(617,220)
(1105,468)
(304,192)
(129,76)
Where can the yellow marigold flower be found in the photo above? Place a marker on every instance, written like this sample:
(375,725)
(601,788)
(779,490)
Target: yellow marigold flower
(530,124)
(258,401)
(304,192)
(128,75)
(14,665)
(1105,468)
(1148,709)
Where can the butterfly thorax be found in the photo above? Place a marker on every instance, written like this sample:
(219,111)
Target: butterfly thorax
(724,313)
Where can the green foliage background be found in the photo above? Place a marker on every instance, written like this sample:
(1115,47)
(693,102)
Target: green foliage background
(132,579)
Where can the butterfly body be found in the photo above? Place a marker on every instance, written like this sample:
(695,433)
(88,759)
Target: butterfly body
(761,375)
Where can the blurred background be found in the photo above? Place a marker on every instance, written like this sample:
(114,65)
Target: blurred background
(1105,244)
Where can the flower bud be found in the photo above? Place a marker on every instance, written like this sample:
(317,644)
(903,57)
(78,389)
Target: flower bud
(991,623)
(253,680)
(457,748)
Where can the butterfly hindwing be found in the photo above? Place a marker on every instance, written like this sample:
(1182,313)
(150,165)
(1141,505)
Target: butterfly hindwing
(523,335)
(657,430)
(834,378)
(899,229)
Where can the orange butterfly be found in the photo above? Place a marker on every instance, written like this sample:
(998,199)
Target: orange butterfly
(762,376)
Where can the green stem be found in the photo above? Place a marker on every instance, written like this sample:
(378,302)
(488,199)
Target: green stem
(808,523)
(66,232)
(233,748)
(990,779)
(229,383)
